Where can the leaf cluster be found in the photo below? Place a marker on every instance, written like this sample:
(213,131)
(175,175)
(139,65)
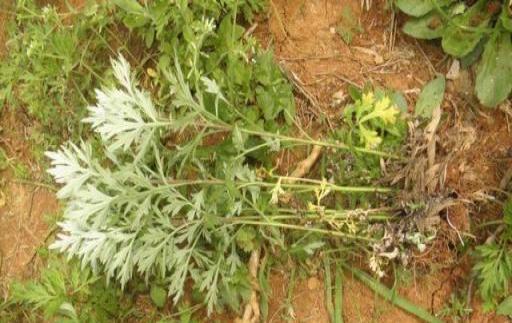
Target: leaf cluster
(68,293)
(53,61)
(493,265)
(207,39)
(373,119)
(479,32)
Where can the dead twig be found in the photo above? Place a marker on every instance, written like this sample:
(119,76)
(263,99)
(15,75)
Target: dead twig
(342,78)
(252,309)
(299,86)
(305,166)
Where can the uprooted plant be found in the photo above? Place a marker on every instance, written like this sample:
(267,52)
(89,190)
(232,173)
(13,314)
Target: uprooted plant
(181,196)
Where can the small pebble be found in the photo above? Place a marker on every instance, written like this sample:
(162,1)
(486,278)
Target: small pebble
(313,283)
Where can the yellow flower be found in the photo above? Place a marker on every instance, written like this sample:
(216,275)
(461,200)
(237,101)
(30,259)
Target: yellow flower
(382,104)
(383,110)
(370,138)
(368,98)
(389,115)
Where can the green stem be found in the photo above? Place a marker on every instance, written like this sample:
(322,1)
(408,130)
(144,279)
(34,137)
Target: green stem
(303,228)
(307,187)
(327,144)
(220,125)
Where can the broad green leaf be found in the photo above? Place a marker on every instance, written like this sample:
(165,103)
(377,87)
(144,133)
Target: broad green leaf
(430,26)
(460,36)
(475,54)
(130,6)
(158,295)
(398,99)
(430,97)
(416,8)
(494,73)
(505,308)
(355,93)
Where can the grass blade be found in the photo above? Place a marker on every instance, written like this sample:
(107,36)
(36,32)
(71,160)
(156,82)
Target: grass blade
(390,296)
(338,294)
(328,289)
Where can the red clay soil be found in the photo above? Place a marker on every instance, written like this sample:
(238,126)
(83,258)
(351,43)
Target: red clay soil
(23,206)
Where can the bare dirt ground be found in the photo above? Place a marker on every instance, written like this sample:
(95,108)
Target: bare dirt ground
(473,147)
(24,206)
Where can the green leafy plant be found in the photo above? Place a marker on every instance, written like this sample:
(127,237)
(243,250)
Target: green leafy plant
(493,265)
(375,120)
(469,32)
(430,97)
(194,210)
(207,40)
(457,308)
(53,61)
(68,293)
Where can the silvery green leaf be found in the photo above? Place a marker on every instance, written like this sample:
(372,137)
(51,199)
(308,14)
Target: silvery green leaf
(237,209)
(245,174)
(233,261)
(197,205)
(153,246)
(274,144)
(213,88)
(90,205)
(68,310)
(142,210)
(238,139)
(71,166)
(123,116)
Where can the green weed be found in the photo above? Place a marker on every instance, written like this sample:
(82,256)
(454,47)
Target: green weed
(349,26)
(54,60)
(178,184)
(493,263)
(66,292)
(457,308)
(480,31)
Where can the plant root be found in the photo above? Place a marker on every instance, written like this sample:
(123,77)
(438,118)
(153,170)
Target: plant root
(252,308)
(251,312)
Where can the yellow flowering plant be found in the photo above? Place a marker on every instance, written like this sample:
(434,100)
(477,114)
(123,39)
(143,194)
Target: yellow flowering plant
(375,120)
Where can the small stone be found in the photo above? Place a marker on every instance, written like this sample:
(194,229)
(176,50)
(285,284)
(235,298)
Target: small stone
(313,283)
(454,71)
(378,59)
(338,98)
(332,30)
(339,95)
